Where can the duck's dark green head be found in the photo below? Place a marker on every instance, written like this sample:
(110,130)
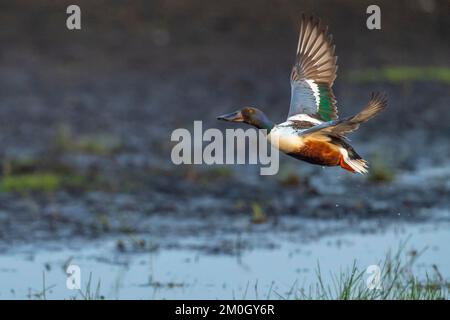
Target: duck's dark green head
(249,115)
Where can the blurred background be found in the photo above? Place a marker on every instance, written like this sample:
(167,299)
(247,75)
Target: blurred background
(85,124)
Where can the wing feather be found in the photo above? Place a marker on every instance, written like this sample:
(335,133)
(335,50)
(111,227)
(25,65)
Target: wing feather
(314,72)
(339,128)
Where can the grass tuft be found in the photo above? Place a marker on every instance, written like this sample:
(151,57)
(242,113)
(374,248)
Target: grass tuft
(45,182)
(397,282)
(380,171)
(99,144)
(258,215)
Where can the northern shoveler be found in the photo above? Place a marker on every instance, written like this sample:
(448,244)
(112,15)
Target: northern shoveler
(312,131)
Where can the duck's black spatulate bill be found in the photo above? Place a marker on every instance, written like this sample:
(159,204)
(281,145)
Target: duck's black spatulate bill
(233,116)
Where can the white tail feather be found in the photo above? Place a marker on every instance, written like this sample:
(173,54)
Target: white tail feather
(359,165)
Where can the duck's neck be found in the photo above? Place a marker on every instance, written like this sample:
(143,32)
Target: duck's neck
(263,123)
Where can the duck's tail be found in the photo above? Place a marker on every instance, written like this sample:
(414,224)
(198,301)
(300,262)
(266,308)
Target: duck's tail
(350,160)
(353,165)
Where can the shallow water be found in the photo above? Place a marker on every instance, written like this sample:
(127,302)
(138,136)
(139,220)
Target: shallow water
(184,273)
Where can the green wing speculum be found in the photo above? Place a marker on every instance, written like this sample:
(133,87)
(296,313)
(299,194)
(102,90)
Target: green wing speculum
(327,103)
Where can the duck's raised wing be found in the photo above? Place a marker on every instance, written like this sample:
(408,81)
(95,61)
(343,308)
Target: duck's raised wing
(314,72)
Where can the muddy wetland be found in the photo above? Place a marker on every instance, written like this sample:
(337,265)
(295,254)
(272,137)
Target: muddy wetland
(87,178)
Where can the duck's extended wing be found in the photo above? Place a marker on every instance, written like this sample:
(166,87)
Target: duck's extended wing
(313,73)
(339,128)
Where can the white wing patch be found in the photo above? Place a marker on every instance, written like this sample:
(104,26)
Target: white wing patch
(315,89)
(304,117)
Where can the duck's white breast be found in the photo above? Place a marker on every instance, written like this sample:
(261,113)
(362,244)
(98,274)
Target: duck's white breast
(285,137)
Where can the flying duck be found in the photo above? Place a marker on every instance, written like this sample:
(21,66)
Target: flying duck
(313,132)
